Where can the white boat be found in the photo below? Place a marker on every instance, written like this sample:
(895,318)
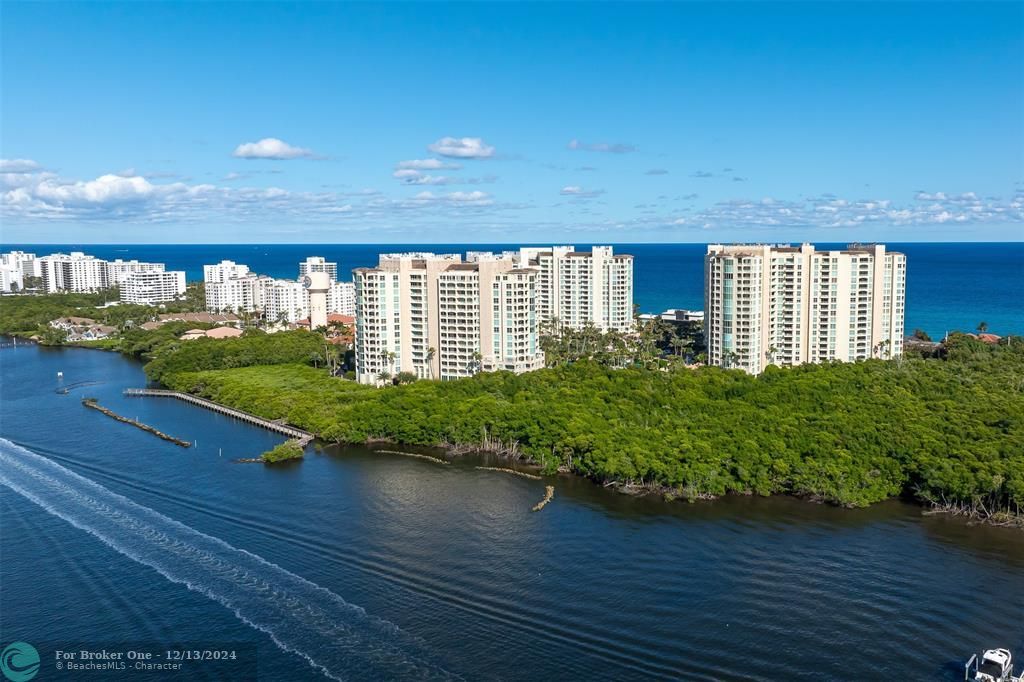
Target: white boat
(995,665)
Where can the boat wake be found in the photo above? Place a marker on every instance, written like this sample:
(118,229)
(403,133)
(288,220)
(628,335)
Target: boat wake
(337,638)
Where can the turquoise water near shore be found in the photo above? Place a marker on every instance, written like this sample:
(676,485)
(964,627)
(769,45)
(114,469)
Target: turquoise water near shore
(362,566)
(950,286)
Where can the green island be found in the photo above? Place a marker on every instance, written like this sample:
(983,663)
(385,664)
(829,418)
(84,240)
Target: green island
(944,428)
(284,452)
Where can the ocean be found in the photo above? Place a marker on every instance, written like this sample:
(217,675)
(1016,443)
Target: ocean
(950,286)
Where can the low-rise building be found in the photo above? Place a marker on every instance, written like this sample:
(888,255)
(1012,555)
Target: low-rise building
(215,333)
(72,321)
(207,318)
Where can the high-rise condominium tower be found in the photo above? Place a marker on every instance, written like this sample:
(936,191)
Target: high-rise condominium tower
(577,288)
(440,318)
(318,264)
(786,305)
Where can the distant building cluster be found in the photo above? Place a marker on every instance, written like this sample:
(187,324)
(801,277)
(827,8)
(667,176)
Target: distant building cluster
(139,282)
(788,305)
(445,316)
(232,287)
(439,317)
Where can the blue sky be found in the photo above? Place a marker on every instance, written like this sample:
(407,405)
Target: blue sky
(509,122)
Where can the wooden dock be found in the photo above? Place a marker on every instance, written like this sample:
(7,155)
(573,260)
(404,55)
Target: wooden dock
(303,437)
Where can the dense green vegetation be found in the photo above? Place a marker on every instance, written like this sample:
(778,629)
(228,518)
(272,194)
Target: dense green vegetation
(282,453)
(947,428)
(28,315)
(943,430)
(252,349)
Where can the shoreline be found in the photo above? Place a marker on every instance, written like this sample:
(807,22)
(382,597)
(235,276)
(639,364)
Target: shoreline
(512,453)
(669,494)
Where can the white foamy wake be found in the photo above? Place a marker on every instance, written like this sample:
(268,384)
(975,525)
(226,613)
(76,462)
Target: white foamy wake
(337,638)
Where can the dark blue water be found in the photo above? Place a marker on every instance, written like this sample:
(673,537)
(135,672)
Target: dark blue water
(368,566)
(949,286)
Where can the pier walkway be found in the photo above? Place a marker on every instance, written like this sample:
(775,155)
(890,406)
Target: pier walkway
(303,437)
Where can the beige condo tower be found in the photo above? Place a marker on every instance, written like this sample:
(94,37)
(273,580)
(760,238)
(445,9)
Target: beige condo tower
(787,305)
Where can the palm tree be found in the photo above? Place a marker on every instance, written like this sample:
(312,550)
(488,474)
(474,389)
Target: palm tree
(982,327)
(474,363)
(431,352)
(770,354)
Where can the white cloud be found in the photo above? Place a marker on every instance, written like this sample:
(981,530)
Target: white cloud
(271,148)
(19,166)
(462,148)
(611,148)
(475,197)
(577,191)
(44,197)
(427,164)
(829,211)
(414,177)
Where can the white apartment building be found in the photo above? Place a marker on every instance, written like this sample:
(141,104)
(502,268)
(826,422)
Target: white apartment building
(11,278)
(73,272)
(583,287)
(118,270)
(318,264)
(236,294)
(223,271)
(285,300)
(786,305)
(25,263)
(440,318)
(152,287)
(341,298)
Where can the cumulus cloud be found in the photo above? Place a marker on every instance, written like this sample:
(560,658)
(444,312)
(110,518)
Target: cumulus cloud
(409,176)
(616,148)
(462,148)
(702,174)
(427,164)
(577,191)
(415,177)
(428,199)
(272,148)
(46,197)
(831,211)
(19,166)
